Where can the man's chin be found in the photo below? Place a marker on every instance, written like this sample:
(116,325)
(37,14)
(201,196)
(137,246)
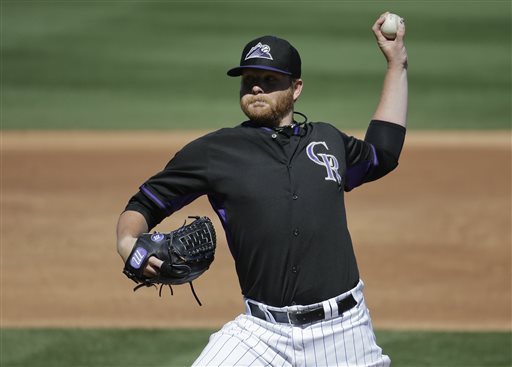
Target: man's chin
(259,116)
(263,119)
(260,109)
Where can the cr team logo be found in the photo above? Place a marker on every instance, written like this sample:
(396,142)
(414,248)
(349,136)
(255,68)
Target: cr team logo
(329,161)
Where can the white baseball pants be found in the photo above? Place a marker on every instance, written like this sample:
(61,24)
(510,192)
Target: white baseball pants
(339,340)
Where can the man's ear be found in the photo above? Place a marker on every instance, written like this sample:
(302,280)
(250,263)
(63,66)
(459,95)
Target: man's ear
(297,88)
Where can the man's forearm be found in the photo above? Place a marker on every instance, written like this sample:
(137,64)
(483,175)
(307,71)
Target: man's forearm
(392,106)
(130,226)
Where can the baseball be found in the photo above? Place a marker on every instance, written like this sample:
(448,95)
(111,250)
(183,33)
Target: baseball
(390,26)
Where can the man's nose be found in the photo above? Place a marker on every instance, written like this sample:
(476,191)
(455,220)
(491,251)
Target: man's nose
(256,89)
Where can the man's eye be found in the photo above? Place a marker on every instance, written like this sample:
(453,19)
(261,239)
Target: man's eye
(248,80)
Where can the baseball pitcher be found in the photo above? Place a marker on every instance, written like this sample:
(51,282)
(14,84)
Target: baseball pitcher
(277,183)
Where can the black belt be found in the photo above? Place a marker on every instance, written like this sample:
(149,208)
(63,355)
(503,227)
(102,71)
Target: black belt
(302,317)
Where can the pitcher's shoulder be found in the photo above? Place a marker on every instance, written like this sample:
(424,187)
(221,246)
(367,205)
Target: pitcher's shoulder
(321,126)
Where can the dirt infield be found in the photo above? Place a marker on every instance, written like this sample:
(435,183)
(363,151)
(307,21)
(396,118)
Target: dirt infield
(433,239)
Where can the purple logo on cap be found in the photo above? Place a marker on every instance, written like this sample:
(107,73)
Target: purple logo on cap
(138,257)
(260,51)
(157,237)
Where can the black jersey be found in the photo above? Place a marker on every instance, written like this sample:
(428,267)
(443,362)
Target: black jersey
(280,198)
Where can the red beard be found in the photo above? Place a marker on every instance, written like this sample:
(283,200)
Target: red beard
(268,111)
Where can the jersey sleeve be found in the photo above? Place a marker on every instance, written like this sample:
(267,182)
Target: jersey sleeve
(184,179)
(360,158)
(375,156)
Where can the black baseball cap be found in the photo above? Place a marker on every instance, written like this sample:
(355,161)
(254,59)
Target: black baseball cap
(269,53)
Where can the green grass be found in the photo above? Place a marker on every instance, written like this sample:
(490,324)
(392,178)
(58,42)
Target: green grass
(130,348)
(161,64)
(444,349)
(101,348)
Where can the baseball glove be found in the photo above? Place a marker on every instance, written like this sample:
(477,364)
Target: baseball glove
(186,252)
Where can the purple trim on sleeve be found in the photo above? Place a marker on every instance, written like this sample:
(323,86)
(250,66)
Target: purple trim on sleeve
(153,197)
(222,214)
(356,174)
(179,202)
(375,160)
(172,205)
(218,207)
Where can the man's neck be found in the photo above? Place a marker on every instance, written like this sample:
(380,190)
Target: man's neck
(286,120)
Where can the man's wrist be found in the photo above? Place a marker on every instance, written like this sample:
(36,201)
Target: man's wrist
(397,65)
(125,247)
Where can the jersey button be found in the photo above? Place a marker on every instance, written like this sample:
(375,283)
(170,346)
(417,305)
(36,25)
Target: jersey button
(295,269)
(295,196)
(296,232)
(274,136)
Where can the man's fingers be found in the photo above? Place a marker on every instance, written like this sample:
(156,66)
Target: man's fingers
(376,27)
(381,39)
(155,262)
(149,272)
(401,29)
(379,21)
(153,267)
(382,18)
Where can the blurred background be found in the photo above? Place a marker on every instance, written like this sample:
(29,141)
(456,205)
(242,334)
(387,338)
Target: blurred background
(162,64)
